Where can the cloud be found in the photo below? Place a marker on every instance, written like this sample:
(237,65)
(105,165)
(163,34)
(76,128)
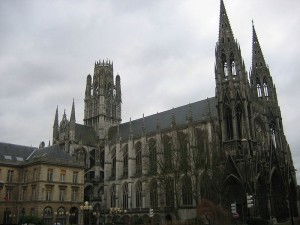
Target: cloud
(163,50)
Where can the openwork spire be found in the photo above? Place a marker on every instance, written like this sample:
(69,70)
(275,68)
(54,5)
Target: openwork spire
(225,32)
(72,118)
(258,60)
(56,118)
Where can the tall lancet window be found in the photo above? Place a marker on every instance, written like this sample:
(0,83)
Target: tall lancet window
(228,123)
(258,88)
(233,69)
(113,196)
(224,64)
(113,163)
(273,137)
(265,86)
(138,158)
(239,117)
(125,161)
(225,70)
(138,195)
(187,194)
(109,101)
(273,133)
(153,194)
(232,64)
(125,196)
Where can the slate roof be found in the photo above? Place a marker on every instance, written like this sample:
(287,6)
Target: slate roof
(200,111)
(53,154)
(86,134)
(12,154)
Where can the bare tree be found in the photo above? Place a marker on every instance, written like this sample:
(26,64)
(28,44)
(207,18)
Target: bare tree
(213,213)
(181,166)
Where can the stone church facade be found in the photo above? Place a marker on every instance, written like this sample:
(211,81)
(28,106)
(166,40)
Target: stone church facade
(222,148)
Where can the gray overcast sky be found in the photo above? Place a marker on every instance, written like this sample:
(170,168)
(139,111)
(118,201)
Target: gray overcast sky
(162,49)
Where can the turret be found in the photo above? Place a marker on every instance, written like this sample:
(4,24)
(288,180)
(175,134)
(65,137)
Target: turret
(118,99)
(88,86)
(232,85)
(72,122)
(102,98)
(64,128)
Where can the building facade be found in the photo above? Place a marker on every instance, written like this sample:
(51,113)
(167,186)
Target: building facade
(44,182)
(230,149)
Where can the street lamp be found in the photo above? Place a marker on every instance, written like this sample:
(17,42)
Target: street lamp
(1,184)
(66,218)
(59,214)
(11,218)
(115,211)
(72,216)
(86,208)
(97,215)
(55,214)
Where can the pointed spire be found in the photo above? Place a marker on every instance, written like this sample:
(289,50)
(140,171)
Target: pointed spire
(173,119)
(157,122)
(56,118)
(72,118)
(190,114)
(208,107)
(225,32)
(118,131)
(55,127)
(130,127)
(143,125)
(257,55)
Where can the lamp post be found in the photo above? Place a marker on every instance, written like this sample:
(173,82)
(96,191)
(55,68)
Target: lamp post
(42,216)
(22,214)
(66,218)
(115,211)
(60,215)
(72,216)
(55,214)
(11,218)
(87,207)
(97,215)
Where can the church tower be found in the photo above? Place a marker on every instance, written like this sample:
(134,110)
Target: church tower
(232,90)
(272,146)
(263,88)
(102,103)
(265,101)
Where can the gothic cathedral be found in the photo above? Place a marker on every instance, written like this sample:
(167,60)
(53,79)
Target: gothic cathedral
(229,149)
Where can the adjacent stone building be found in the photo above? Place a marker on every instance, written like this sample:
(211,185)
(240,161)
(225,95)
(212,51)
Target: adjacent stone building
(45,182)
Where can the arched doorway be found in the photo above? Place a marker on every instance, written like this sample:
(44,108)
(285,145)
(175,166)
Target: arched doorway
(73,219)
(278,197)
(293,199)
(125,219)
(60,216)
(262,198)
(48,215)
(233,192)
